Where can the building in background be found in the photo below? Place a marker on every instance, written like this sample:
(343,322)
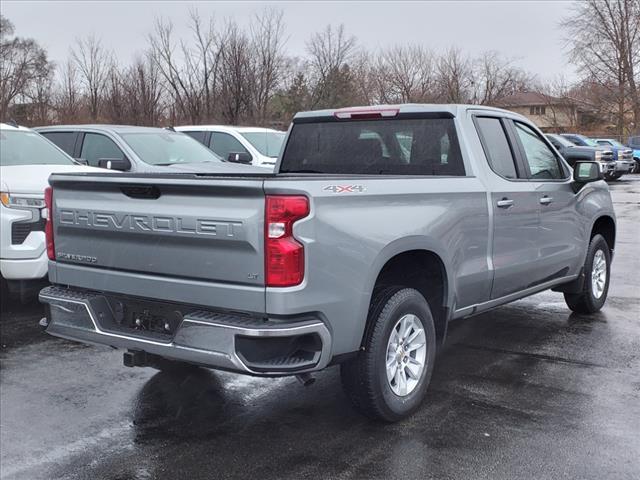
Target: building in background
(552,114)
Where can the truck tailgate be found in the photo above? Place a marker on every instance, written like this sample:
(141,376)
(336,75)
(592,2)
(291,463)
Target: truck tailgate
(167,232)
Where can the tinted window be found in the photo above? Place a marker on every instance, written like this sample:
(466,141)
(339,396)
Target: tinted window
(223,144)
(390,147)
(164,147)
(96,147)
(20,147)
(199,136)
(496,146)
(542,162)
(65,140)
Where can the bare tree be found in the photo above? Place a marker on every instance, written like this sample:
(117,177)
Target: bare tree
(22,63)
(605,45)
(330,53)
(405,73)
(494,77)
(235,74)
(143,92)
(454,76)
(189,72)
(93,63)
(67,96)
(267,69)
(114,106)
(40,93)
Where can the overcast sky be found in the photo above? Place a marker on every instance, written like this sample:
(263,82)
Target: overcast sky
(525,31)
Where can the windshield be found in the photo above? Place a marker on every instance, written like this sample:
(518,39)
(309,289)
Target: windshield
(22,147)
(561,140)
(267,143)
(589,141)
(167,148)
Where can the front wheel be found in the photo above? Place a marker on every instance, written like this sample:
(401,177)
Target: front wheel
(388,379)
(596,282)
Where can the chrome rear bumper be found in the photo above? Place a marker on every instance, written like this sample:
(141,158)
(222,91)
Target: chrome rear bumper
(217,340)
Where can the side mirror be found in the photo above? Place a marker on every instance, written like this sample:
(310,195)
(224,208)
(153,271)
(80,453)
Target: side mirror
(240,157)
(81,161)
(585,172)
(122,164)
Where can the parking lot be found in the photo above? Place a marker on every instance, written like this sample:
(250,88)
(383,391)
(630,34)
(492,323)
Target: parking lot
(528,390)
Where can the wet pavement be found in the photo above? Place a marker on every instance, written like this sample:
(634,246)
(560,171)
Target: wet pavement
(528,390)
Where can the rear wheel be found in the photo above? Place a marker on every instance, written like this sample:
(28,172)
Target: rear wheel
(388,379)
(596,282)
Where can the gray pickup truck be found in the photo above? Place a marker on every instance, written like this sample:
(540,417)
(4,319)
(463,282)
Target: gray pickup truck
(378,227)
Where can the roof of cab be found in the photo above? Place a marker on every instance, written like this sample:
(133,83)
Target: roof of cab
(100,127)
(453,109)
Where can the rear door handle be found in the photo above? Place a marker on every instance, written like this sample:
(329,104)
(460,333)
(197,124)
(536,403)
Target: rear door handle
(546,200)
(504,203)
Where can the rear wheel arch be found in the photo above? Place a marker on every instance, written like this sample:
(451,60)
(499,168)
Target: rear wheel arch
(423,270)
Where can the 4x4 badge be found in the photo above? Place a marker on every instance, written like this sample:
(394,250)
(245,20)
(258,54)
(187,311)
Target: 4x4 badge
(345,188)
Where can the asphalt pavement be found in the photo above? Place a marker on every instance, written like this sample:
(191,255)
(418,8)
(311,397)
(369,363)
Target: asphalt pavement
(526,391)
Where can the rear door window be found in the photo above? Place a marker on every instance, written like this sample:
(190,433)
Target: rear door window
(64,140)
(496,146)
(223,144)
(199,136)
(427,146)
(96,147)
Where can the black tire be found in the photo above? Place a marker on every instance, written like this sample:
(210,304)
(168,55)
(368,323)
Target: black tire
(586,301)
(364,378)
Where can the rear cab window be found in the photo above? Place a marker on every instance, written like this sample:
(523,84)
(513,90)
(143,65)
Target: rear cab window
(399,146)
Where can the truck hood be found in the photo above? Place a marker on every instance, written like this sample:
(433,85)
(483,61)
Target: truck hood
(33,179)
(580,148)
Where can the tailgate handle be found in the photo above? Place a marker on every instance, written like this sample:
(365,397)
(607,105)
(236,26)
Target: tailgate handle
(141,191)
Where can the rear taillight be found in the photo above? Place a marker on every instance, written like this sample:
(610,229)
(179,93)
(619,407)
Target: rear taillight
(48,227)
(284,255)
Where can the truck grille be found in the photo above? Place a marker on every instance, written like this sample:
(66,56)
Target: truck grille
(21,230)
(626,154)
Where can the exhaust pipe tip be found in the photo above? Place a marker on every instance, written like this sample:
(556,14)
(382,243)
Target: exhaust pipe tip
(305,379)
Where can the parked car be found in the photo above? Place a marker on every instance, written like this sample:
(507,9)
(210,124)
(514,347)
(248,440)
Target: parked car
(254,145)
(358,251)
(134,149)
(573,153)
(634,144)
(623,166)
(621,152)
(26,161)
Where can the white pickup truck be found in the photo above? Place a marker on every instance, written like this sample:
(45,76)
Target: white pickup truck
(26,161)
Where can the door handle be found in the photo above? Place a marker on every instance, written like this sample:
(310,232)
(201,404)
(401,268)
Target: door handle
(504,203)
(546,200)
